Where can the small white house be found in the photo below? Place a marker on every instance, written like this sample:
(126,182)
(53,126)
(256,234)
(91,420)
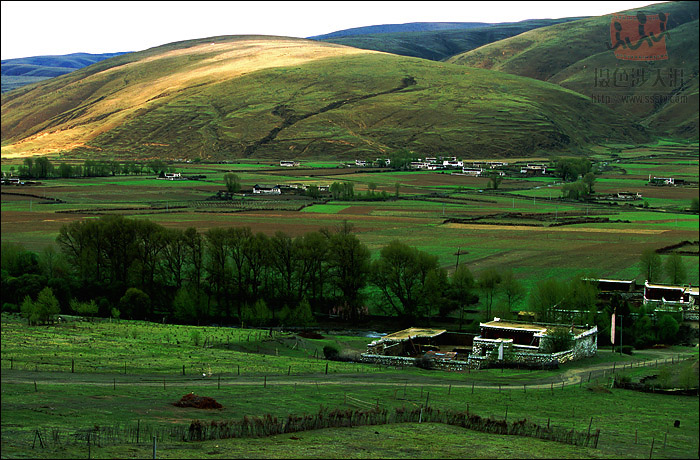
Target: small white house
(472,171)
(534,169)
(267,189)
(454,164)
(172,176)
(289,163)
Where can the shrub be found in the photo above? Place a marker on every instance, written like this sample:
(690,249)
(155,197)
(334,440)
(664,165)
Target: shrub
(668,329)
(196,337)
(627,349)
(559,340)
(42,310)
(258,315)
(330,352)
(84,308)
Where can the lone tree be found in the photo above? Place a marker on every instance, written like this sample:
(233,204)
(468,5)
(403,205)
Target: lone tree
(233,183)
(489,283)
(650,265)
(675,269)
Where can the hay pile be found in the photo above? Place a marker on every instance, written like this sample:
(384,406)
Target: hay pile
(198,402)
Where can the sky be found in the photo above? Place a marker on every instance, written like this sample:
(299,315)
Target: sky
(38,28)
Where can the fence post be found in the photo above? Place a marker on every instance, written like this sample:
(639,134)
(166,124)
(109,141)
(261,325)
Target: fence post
(651,451)
(35,389)
(115,383)
(218,385)
(449,389)
(154,447)
(326,368)
(138,429)
(72,366)
(289,371)
(265,382)
(88,444)
(239,369)
(183,369)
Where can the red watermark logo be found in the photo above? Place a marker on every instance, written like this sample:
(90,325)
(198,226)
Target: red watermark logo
(639,38)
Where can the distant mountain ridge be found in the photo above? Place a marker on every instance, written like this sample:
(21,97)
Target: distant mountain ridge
(394,28)
(20,71)
(438,44)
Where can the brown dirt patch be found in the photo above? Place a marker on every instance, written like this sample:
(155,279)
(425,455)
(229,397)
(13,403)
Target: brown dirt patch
(358,210)
(198,402)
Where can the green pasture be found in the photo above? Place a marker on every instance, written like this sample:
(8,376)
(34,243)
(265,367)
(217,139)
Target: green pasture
(70,377)
(326,208)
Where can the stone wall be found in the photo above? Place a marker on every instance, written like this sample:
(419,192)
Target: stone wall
(445,364)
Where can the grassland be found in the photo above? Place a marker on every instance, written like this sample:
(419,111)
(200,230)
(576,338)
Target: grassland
(531,246)
(122,374)
(65,379)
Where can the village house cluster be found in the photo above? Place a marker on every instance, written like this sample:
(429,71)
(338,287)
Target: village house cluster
(525,342)
(500,343)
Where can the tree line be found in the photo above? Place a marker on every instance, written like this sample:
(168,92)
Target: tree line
(137,269)
(43,168)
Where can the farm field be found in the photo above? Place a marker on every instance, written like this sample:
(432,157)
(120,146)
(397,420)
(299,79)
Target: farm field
(514,226)
(54,384)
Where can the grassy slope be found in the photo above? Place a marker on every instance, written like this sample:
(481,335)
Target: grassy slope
(440,44)
(310,99)
(570,54)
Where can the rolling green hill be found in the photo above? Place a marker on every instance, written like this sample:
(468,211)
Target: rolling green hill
(438,45)
(255,96)
(576,56)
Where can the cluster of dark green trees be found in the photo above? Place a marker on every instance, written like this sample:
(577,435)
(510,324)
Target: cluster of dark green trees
(577,175)
(137,269)
(43,168)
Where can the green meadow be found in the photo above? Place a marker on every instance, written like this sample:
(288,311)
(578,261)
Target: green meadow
(67,379)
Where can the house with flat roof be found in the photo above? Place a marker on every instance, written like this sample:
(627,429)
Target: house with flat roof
(267,189)
(525,343)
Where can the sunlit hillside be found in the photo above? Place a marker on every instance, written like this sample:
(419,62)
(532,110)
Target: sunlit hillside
(255,96)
